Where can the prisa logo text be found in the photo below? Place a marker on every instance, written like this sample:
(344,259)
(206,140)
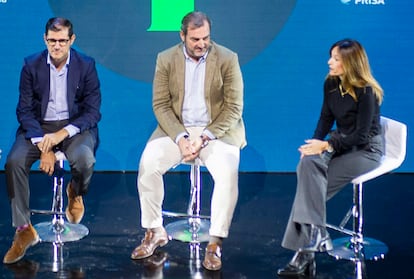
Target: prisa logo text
(369,2)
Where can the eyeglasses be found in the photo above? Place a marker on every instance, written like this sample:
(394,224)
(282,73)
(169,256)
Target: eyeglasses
(62,42)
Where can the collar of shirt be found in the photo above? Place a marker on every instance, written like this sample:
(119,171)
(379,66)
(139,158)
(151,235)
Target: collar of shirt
(49,60)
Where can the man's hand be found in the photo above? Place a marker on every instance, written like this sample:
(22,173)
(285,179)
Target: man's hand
(51,140)
(190,149)
(200,142)
(187,149)
(47,162)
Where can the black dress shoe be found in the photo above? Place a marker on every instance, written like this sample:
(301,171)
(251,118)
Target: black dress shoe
(319,240)
(302,264)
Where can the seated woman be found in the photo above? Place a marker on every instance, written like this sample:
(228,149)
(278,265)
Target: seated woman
(352,99)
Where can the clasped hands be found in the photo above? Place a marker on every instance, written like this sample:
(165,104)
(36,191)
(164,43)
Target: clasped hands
(190,149)
(47,156)
(313,147)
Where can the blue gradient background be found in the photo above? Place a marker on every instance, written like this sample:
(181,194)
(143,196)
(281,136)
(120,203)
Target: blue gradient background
(283,81)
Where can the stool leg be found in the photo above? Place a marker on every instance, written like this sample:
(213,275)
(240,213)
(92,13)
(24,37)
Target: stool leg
(357,248)
(194,229)
(360,269)
(196,184)
(357,238)
(57,204)
(195,261)
(194,203)
(57,256)
(57,230)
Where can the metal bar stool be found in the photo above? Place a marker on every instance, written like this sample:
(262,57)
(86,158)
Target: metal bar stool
(194,229)
(357,247)
(57,231)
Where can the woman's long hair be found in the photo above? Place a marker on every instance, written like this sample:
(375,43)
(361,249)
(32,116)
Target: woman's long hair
(357,72)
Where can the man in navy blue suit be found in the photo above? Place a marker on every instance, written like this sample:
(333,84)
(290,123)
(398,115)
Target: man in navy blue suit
(58,109)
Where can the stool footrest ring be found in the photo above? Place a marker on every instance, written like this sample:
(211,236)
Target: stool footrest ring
(47,212)
(340,229)
(183,215)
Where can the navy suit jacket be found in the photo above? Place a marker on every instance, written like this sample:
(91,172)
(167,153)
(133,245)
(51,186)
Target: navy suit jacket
(83,94)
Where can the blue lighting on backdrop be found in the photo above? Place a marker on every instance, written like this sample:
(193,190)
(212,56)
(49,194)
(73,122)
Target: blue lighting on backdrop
(283,49)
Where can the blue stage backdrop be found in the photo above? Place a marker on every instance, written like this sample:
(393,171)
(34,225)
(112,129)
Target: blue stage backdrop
(283,49)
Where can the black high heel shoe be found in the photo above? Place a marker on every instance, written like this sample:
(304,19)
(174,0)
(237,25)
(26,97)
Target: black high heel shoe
(319,240)
(302,264)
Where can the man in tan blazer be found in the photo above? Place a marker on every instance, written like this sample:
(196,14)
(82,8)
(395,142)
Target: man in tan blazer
(198,103)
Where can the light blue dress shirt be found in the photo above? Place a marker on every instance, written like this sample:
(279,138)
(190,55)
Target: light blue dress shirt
(195,113)
(57,108)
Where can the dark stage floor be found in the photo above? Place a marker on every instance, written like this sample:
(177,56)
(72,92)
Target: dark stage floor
(251,251)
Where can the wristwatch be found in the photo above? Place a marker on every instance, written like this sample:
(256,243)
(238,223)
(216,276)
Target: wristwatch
(205,141)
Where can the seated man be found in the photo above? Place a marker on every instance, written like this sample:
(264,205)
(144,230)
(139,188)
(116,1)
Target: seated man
(198,102)
(58,108)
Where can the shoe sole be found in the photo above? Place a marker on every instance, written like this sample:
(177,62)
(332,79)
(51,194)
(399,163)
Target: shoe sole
(33,243)
(212,268)
(309,270)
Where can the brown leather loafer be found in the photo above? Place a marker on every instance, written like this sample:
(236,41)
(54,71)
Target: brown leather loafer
(75,209)
(22,241)
(148,245)
(212,258)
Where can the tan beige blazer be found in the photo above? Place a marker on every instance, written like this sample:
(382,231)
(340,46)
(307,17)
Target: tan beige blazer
(223,89)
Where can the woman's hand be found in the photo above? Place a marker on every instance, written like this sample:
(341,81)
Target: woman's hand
(313,147)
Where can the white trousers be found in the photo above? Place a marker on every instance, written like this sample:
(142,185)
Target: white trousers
(220,159)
